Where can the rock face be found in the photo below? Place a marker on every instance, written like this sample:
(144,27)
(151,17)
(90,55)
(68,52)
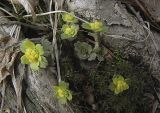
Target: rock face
(126,32)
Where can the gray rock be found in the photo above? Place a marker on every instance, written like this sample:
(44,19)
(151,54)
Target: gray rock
(125,31)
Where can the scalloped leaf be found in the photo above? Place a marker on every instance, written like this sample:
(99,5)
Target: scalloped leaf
(27,44)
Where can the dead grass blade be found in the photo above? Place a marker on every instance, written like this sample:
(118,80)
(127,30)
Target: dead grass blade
(29,6)
(54,41)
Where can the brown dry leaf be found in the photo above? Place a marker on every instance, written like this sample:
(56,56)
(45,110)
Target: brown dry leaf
(7,56)
(5,40)
(29,5)
(8,53)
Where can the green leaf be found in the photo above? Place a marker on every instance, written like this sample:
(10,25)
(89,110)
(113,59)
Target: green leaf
(125,86)
(26,44)
(44,62)
(104,29)
(47,46)
(55,88)
(64,27)
(76,28)
(112,87)
(116,91)
(117,78)
(69,97)
(100,58)
(39,48)
(83,50)
(34,66)
(65,36)
(24,60)
(64,85)
(86,26)
(92,56)
(63,101)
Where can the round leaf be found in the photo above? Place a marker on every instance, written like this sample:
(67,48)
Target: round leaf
(24,60)
(39,48)
(44,62)
(26,44)
(34,66)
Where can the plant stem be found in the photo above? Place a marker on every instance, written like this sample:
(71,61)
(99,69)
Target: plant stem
(96,39)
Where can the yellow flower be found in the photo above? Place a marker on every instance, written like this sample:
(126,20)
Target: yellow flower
(69,17)
(60,92)
(63,94)
(96,26)
(33,55)
(119,84)
(69,31)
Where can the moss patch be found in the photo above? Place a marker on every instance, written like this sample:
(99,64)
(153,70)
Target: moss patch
(90,83)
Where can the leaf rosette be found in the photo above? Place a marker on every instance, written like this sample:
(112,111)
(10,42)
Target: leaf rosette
(83,50)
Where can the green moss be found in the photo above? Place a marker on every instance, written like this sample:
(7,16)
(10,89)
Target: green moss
(99,78)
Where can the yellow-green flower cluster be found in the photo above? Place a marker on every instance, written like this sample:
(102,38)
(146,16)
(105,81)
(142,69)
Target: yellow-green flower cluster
(96,26)
(70,29)
(119,84)
(63,94)
(33,55)
(69,18)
